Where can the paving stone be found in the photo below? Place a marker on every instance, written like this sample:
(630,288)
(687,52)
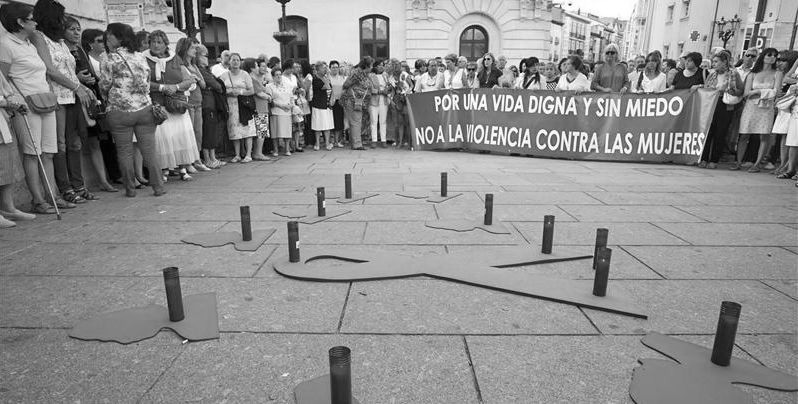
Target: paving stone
(743,199)
(629,213)
(48,366)
(417,233)
(267,367)
(728,234)
(688,262)
(645,198)
(320,233)
(384,213)
(779,352)
(628,191)
(12,247)
(743,214)
(583,233)
(73,230)
(446,307)
(787,286)
(177,213)
(505,213)
(152,232)
(135,260)
(623,266)
(543,198)
(691,307)
(552,187)
(469,198)
(238,199)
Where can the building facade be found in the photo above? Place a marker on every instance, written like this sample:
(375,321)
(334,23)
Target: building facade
(775,21)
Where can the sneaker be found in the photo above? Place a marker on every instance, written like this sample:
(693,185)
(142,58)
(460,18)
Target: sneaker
(246,160)
(201,167)
(316,147)
(339,144)
(221,163)
(235,159)
(274,154)
(287,153)
(746,164)
(191,169)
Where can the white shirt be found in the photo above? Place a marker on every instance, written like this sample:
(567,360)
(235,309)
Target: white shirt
(656,85)
(539,85)
(426,83)
(453,80)
(579,84)
(218,70)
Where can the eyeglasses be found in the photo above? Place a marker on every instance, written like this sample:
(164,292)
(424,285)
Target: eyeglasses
(99,40)
(750,56)
(610,53)
(772,54)
(472,69)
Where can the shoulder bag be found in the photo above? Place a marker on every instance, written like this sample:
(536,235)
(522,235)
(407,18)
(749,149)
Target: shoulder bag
(40,103)
(159,113)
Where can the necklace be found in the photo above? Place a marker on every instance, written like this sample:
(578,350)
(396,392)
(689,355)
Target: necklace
(434,79)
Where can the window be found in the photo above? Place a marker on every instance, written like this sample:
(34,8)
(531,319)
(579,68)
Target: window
(214,36)
(670,13)
(374,37)
(666,51)
(298,48)
(681,48)
(474,42)
(686,8)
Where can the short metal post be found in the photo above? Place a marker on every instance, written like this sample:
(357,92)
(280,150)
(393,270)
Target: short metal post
(602,235)
(548,234)
(340,375)
(246,224)
(602,275)
(724,335)
(293,241)
(321,203)
(444,184)
(488,209)
(348,186)
(174,298)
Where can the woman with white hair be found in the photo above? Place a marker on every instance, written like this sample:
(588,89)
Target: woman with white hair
(321,117)
(610,76)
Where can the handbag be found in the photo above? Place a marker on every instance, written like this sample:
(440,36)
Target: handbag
(296,114)
(41,103)
(246,108)
(358,105)
(159,113)
(176,103)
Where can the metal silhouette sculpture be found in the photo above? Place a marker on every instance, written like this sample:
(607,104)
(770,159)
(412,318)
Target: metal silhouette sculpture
(248,240)
(333,388)
(468,268)
(349,196)
(194,318)
(469,225)
(308,216)
(701,375)
(443,197)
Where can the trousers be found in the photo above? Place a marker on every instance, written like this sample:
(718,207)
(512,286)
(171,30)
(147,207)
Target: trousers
(123,126)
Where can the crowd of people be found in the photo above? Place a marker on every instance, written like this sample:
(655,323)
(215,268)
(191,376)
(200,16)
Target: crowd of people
(142,112)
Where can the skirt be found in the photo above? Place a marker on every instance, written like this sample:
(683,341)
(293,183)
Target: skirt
(10,162)
(281,126)
(175,143)
(235,130)
(792,129)
(261,122)
(756,120)
(781,123)
(211,129)
(322,119)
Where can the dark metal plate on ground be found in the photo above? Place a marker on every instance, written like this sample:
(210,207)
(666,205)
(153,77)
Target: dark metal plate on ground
(355,198)
(315,391)
(693,378)
(310,216)
(218,239)
(467,225)
(427,197)
(201,322)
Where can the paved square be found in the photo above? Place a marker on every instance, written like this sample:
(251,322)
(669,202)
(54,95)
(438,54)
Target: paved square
(684,239)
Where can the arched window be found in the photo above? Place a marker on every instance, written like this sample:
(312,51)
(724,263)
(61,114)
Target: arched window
(374,37)
(214,36)
(298,49)
(474,42)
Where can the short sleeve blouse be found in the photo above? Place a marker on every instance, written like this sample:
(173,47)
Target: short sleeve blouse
(27,70)
(64,62)
(127,89)
(580,83)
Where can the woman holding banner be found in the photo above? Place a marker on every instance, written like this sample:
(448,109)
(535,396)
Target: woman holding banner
(530,78)
(610,76)
(726,80)
(488,73)
(572,79)
(651,79)
(431,80)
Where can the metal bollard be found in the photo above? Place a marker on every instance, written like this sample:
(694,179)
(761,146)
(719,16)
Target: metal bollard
(724,335)
(602,274)
(602,235)
(488,209)
(444,184)
(293,241)
(246,224)
(321,203)
(348,186)
(548,234)
(340,375)
(174,298)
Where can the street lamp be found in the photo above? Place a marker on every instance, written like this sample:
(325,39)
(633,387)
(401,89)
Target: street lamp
(726,34)
(284,36)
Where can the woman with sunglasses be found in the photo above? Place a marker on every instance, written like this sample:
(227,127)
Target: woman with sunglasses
(610,76)
(489,73)
(724,79)
(761,88)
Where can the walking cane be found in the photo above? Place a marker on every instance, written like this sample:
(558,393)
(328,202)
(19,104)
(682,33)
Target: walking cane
(41,164)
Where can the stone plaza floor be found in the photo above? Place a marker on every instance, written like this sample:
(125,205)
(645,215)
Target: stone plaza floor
(683,238)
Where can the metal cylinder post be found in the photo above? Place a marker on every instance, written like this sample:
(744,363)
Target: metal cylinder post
(348,186)
(548,234)
(246,224)
(488,209)
(340,375)
(321,203)
(444,184)
(602,274)
(601,241)
(293,241)
(724,335)
(174,298)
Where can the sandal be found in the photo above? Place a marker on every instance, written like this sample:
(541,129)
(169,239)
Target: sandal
(72,197)
(62,204)
(108,188)
(86,194)
(43,209)
(785,175)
